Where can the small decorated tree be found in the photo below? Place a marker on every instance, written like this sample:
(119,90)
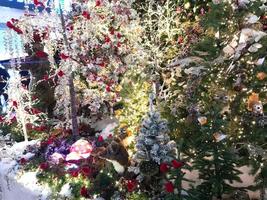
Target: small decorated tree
(153,147)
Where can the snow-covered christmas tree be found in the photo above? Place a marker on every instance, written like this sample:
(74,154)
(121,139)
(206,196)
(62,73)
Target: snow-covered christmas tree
(153,144)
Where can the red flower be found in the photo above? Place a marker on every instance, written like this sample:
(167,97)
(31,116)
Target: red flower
(107,39)
(86,171)
(9,25)
(108,89)
(22,161)
(15,104)
(63,56)
(60,73)
(131,185)
(74,173)
(118,35)
(100,138)
(97,3)
(177,164)
(119,44)
(44,166)
(41,54)
(164,167)
(84,192)
(169,187)
(86,15)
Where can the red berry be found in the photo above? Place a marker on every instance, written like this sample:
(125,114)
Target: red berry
(9,25)
(118,35)
(60,73)
(107,39)
(86,15)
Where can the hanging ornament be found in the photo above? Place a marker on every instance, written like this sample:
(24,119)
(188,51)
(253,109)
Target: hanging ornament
(261,76)
(260,61)
(254,105)
(238,85)
(255,47)
(219,136)
(257,108)
(252,19)
(202,120)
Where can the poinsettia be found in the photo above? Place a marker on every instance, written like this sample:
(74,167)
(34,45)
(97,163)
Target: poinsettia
(164,167)
(169,187)
(177,164)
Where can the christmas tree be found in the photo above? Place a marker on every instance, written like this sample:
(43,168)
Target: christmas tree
(153,147)
(219,103)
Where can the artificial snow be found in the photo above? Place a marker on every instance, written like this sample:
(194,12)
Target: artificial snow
(13,183)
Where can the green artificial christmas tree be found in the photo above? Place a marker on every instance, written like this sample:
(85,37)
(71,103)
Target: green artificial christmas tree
(219,96)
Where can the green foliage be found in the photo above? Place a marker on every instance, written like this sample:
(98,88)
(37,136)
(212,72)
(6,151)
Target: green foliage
(137,196)
(15,129)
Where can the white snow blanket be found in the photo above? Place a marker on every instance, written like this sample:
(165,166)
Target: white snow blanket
(13,185)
